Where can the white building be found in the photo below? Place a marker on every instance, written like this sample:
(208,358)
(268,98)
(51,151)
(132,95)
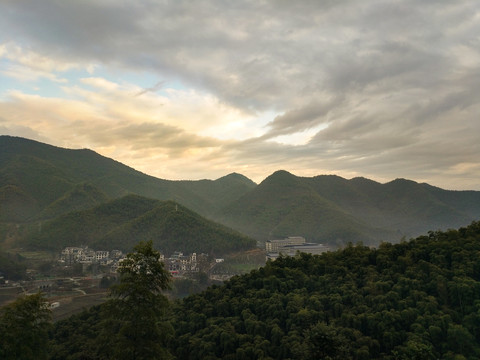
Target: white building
(291,245)
(100,255)
(275,245)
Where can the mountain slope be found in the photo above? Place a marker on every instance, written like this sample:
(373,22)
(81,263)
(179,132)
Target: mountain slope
(414,300)
(220,192)
(284,205)
(401,204)
(331,209)
(81,197)
(121,223)
(40,182)
(33,176)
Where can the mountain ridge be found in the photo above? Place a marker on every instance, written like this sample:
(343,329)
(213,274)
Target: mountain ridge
(45,173)
(39,182)
(359,209)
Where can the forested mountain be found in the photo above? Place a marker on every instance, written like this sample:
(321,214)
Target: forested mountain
(38,181)
(418,299)
(121,223)
(335,210)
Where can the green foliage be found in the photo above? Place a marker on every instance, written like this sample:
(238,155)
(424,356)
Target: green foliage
(120,223)
(12,267)
(78,337)
(82,196)
(24,328)
(137,305)
(221,192)
(41,181)
(130,325)
(414,300)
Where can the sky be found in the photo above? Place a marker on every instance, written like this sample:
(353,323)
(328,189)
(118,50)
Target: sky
(382,89)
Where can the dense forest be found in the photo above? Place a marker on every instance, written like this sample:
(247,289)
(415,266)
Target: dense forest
(121,223)
(419,299)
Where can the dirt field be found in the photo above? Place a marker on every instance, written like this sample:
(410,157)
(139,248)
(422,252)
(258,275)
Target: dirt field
(68,300)
(72,305)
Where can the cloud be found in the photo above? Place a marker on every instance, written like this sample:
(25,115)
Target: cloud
(154,88)
(381,89)
(306,117)
(26,65)
(106,118)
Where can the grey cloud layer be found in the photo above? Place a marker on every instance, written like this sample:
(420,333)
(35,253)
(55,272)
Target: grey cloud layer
(395,81)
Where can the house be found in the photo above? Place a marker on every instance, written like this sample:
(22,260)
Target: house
(179,264)
(100,255)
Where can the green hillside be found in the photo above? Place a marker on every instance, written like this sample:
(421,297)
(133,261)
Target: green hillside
(39,180)
(400,205)
(331,209)
(82,196)
(284,205)
(414,300)
(121,223)
(221,192)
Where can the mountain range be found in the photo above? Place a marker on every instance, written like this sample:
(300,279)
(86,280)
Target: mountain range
(44,184)
(332,209)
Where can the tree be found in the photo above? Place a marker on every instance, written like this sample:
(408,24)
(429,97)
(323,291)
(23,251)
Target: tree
(137,305)
(24,328)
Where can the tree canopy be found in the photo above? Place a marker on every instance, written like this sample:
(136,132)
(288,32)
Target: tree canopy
(24,328)
(136,306)
(419,299)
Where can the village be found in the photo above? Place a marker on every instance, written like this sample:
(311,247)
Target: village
(79,276)
(102,261)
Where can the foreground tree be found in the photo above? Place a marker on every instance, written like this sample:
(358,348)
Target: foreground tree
(24,328)
(137,305)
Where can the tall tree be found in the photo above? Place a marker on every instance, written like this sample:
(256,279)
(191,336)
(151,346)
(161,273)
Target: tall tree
(136,306)
(24,328)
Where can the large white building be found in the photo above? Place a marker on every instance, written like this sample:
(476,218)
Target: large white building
(275,245)
(291,245)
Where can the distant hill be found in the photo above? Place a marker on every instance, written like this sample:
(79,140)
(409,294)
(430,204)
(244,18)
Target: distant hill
(222,191)
(123,222)
(335,210)
(39,181)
